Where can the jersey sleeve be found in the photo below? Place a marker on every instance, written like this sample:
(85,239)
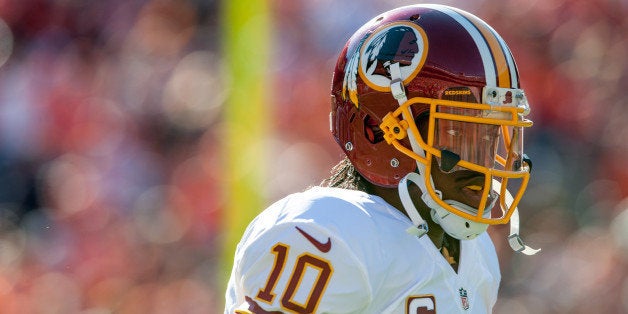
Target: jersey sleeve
(296,266)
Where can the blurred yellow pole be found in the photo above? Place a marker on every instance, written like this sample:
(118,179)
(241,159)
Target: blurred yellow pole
(245,37)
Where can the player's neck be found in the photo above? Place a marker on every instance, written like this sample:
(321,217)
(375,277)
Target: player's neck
(451,251)
(391,196)
(437,235)
(449,247)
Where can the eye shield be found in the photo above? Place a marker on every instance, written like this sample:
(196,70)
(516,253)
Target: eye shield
(466,135)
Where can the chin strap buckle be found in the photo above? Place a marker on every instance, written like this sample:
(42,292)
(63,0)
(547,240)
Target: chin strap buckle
(514,239)
(419,230)
(517,245)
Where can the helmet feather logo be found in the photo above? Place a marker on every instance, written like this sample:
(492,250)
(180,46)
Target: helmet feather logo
(400,42)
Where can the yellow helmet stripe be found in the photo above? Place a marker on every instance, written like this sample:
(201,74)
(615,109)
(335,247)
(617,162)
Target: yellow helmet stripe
(514,75)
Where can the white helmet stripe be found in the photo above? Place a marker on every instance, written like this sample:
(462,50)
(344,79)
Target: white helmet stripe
(505,66)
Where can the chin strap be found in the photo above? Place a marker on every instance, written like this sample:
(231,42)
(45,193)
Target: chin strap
(397,89)
(420,227)
(514,239)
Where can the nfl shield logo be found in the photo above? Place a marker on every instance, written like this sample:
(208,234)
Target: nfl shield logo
(463,298)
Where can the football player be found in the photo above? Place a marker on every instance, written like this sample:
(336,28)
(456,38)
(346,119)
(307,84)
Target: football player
(427,106)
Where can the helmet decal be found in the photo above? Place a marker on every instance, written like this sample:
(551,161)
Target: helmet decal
(402,42)
(349,84)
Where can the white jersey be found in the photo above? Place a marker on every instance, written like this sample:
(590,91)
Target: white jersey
(330,250)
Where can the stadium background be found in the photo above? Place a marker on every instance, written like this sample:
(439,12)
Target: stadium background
(138,137)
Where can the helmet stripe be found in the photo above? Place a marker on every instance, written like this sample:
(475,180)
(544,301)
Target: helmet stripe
(478,38)
(514,74)
(499,66)
(498,50)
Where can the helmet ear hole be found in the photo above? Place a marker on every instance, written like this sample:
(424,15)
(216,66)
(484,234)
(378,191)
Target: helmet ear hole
(372,131)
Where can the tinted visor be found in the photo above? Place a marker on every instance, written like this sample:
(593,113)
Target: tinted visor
(473,142)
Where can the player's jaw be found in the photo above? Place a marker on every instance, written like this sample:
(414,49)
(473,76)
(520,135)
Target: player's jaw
(464,186)
(468,187)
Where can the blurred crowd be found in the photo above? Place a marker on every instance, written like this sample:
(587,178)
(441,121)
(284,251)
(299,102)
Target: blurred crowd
(108,165)
(110,161)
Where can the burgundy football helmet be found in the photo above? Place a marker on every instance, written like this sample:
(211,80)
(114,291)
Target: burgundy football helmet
(431,84)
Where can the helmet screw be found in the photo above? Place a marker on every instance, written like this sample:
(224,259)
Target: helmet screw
(349,146)
(394,163)
(396,130)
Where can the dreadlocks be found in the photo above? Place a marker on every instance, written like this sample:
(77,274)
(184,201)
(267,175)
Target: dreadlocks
(344,175)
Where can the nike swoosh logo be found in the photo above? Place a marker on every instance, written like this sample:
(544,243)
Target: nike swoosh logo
(323,247)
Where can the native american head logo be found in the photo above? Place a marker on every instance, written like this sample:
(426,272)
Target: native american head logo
(402,42)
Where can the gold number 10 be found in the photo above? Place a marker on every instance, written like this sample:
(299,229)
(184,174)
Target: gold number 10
(304,261)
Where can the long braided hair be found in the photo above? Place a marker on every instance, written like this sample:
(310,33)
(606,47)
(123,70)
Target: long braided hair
(345,176)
